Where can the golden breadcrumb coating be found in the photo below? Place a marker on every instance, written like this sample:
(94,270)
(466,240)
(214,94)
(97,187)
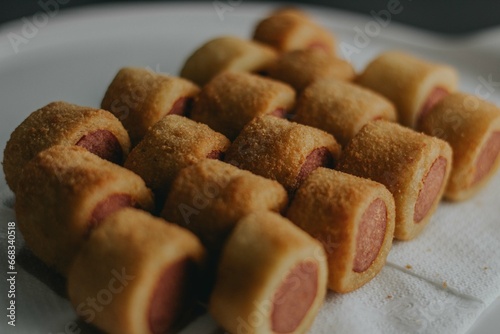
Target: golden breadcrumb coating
(232,99)
(58,123)
(471,126)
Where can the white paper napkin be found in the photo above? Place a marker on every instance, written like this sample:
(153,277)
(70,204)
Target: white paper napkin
(438,283)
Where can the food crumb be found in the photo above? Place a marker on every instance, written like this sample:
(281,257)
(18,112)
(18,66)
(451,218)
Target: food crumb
(408,266)
(445,285)
(389,297)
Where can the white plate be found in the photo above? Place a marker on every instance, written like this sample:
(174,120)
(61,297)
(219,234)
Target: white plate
(73,56)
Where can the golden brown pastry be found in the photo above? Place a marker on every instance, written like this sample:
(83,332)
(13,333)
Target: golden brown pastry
(173,143)
(287,31)
(282,150)
(271,278)
(341,108)
(300,68)
(472,127)
(232,99)
(140,98)
(209,197)
(136,274)
(62,123)
(414,167)
(414,85)
(353,218)
(65,192)
(227,53)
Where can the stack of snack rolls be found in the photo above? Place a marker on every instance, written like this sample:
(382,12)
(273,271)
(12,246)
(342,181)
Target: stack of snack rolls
(265,174)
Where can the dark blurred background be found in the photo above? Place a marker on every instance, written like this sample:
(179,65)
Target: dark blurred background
(452,17)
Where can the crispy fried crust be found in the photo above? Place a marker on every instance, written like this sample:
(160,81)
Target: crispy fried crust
(341,108)
(127,256)
(58,123)
(466,123)
(57,194)
(227,53)
(173,143)
(277,149)
(263,249)
(329,206)
(400,159)
(407,81)
(300,68)
(209,198)
(287,31)
(140,98)
(232,99)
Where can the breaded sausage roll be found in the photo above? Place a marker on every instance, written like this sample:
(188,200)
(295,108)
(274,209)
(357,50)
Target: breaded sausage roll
(173,143)
(64,192)
(271,278)
(300,68)
(232,99)
(226,53)
(209,197)
(283,151)
(472,127)
(142,271)
(414,167)
(414,85)
(287,31)
(61,123)
(353,218)
(341,108)
(140,98)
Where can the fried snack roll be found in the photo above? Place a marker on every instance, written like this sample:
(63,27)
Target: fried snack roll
(224,54)
(414,85)
(414,167)
(271,278)
(62,123)
(232,99)
(209,197)
(283,151)
(65,192)
(289,30)
(140,98)
(300,68)
(173,143)
(472,127)
(354,220)
(141,271)
(341,108)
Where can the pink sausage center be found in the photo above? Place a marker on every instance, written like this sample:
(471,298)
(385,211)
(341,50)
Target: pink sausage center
(172,296)
(294,297)
(319,46)
(371,234)
(437,94)
(487,157)
(279,112)
(433,183)
(182,106)
(319,157)
(104,144)
(215,154)
(108,206)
